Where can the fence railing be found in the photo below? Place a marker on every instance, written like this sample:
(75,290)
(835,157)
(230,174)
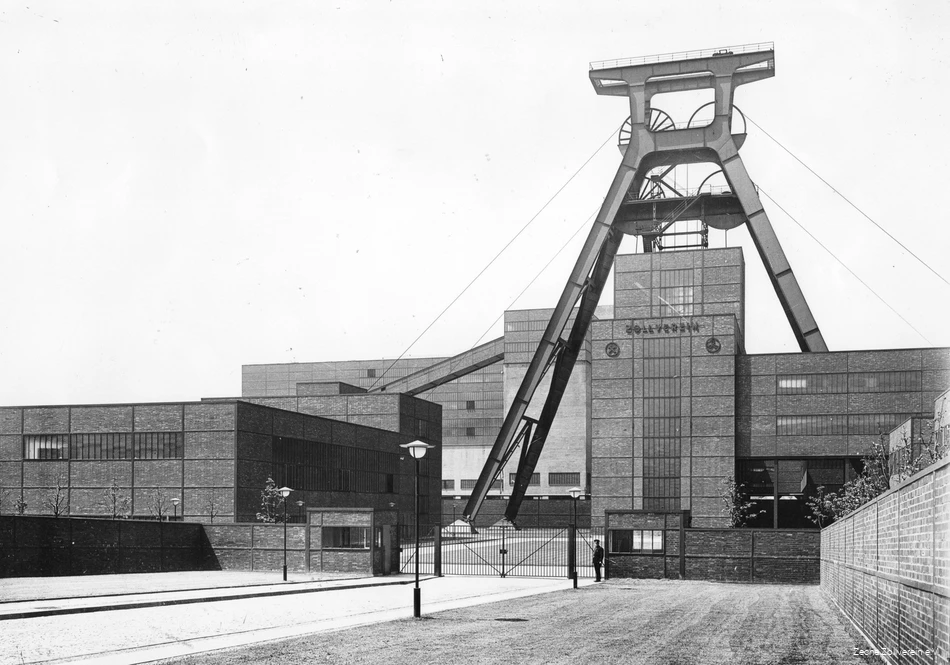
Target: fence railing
(683,55)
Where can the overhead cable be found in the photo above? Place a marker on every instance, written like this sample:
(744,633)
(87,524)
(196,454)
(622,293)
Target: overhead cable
(535,278)
(820,244)
(849,202)
(495,258)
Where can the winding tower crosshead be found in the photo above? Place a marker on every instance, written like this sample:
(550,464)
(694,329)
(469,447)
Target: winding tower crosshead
(652,145)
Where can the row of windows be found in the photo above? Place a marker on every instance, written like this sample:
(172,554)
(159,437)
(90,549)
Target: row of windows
(566,479)
(108,446)
(662,347)
(859,424)
(535,479)
(314,466)
(857,382)
(469,431)
(522,326)
(661,387)
(760,476)
(625,541)
(345,537)
(468,484)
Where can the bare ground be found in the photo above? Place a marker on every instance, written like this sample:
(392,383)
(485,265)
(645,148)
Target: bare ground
(621,621)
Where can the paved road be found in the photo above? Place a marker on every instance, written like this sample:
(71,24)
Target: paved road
(148,633)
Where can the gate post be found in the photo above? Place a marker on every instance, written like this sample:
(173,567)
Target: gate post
(437,551)
(572,554)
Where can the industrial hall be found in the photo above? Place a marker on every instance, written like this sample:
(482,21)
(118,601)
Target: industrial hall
(629,419)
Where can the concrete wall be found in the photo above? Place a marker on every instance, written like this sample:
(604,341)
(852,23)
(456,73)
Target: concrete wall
(887,566)
(48,546)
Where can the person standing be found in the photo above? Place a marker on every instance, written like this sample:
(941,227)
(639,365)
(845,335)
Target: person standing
(598,560)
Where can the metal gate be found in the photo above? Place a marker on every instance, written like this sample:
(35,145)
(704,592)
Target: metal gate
(406,548)
(505,551)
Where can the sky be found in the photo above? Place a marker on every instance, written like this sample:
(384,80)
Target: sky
(189,187)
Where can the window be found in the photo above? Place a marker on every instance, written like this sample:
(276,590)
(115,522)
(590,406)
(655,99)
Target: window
(535,479)
(568,479)
(470,404)
(46,446)
(106,446)
(316,466)
(626,541)
(448,484)
(469,431)
(371,373)
(346,537)
(676,293)
(810,425)
(468,483)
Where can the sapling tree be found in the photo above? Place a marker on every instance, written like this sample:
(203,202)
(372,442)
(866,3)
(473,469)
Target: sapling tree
(271,503)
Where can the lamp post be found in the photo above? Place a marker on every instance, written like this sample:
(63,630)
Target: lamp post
(175,502)
(418,450)
(300,511)
(574,492)
(285,492)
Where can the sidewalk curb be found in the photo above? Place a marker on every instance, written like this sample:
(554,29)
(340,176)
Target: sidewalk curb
(31,614)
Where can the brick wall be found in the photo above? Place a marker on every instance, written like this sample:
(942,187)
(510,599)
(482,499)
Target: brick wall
(887,566)
(784,556)
(258,546)
(47,546)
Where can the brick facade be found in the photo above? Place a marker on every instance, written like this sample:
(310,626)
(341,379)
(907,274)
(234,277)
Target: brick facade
(887,566)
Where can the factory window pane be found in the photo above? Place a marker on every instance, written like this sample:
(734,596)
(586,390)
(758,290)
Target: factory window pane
(564,478)
(345,537)
(468,483)
(448,484)
(46,446)
(628,541)
(535,479)
(470,404)
(371,373)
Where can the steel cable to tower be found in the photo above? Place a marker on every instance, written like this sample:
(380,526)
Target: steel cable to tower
(502,251)
(847,200)
(820,244)
(540,272)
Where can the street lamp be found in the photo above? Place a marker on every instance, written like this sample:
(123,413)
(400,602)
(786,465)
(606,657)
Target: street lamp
(574,492)
(300,510)
(285,492)
(175,502)
(418,450)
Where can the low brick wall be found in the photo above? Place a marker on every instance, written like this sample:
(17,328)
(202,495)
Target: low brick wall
(258,546)
(49,546)
(887,566)
(782,556)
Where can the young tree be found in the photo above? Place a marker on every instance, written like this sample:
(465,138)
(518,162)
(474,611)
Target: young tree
(159,504)
(271,503)
(212,506)
(57,498)
(740,508)
(875,478)
(117,500)
(20,505)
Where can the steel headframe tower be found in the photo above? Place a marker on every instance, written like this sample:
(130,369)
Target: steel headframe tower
(650,141)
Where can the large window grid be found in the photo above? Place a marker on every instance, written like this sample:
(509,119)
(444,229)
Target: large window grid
(535,479)
(315,466)
(104,446)
(855,382)
(629,541)
(826,425)
(676,291)
(661,424)
(565,478)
